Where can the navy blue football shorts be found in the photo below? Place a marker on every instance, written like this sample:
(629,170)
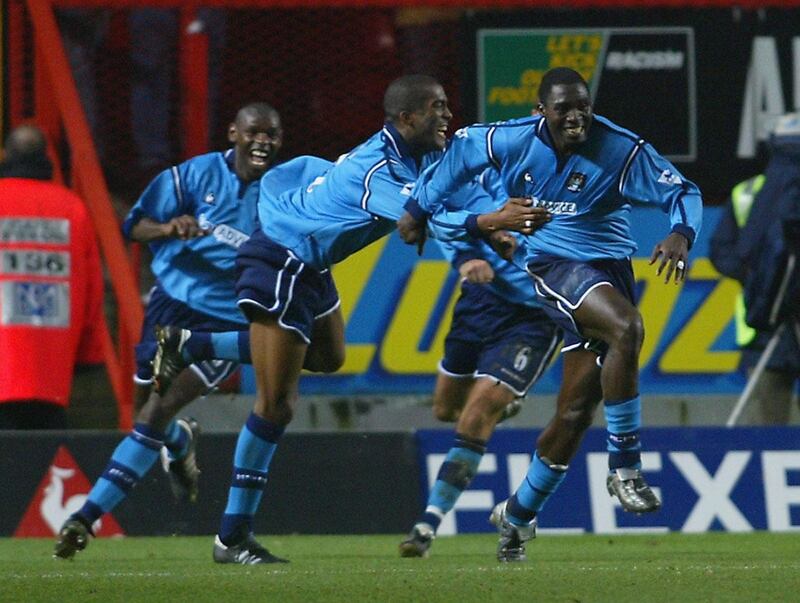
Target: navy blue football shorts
(165,310)
(494,338)
(561,285)
(272,280)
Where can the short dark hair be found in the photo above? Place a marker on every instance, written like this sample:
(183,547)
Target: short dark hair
(407,93)
(559,76)
(260,108)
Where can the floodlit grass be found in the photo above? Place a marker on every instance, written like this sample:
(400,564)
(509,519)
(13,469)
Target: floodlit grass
(641,568)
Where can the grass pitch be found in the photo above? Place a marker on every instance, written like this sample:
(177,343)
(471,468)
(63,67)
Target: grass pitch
(641,569)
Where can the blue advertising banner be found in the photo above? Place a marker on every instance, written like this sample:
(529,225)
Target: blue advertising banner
(397,310)
(734,480)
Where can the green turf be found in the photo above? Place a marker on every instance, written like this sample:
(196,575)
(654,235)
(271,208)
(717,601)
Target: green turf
(644,569)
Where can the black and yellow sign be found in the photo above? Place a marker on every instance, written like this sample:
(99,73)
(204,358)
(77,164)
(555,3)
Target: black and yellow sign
(617,64)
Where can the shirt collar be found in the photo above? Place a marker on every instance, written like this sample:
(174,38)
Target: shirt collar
(230,158)
(543,132)
(396,140)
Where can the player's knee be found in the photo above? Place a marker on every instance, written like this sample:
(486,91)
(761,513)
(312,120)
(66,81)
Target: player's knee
(328,361)
(445,412)
(485,411)
(577,419)
(335,360)
(629,332)
(278,410)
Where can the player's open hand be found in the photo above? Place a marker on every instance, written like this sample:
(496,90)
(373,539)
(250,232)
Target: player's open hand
(476,271)
(517,214)
(412,231)
(504,243)
(673,254)
(184,227)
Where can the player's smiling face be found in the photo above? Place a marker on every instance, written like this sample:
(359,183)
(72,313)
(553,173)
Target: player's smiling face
(256,138)
(568,111)
(430,123)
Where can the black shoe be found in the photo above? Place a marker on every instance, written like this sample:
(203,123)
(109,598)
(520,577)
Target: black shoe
(418,542)
(168,361)
(511,546)
(72,537)
(248,552)
(183,472)
(634,494)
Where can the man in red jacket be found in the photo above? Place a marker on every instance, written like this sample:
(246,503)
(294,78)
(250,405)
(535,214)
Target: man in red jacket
(51,287)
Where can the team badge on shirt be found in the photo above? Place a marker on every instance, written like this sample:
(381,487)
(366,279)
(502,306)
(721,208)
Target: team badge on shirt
(667,177)
(575,182)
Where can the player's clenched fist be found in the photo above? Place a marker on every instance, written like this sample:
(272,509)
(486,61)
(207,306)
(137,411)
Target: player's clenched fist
(184,227)
(516,214)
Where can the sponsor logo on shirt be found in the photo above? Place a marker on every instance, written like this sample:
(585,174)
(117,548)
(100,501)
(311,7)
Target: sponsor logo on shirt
(209,198)
(575,182)
(556,207)
(222,232)
(667,177)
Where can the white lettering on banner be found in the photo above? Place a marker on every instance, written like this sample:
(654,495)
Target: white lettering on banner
(778,494)
(604,507)
(763,95)
(470,500)
(714,491)
(637,60)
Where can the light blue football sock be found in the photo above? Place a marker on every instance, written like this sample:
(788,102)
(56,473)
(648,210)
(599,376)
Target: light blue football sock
(254,449)
(624,420)
(130,461)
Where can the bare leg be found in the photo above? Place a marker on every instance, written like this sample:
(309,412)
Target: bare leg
(158,411)
(278,356)
(326,352)
(450,395)
(605,314)
(483,409)
(577,400)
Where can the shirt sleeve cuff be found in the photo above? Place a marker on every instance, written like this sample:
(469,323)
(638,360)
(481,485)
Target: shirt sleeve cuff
(471,224)
(415,210)
(686,231)
(128,225)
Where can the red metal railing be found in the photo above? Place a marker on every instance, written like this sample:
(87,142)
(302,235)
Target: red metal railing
(58,109)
